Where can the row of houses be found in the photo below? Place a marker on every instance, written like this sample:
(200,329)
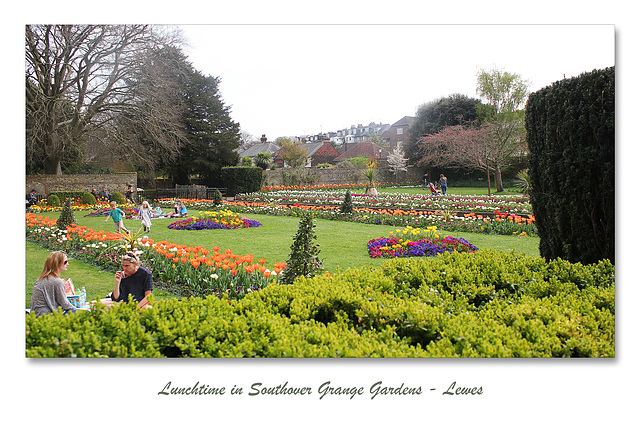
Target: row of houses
(334,147)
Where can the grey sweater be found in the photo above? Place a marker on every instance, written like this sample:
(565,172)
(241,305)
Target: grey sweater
(48,294)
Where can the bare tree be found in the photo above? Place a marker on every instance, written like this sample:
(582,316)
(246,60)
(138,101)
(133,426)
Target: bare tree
(80,78)
(397,162)
(470,147)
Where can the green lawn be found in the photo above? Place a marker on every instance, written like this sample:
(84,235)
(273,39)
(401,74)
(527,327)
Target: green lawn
(342,245)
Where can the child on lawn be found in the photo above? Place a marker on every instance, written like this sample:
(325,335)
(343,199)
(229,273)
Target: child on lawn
(116,214)
(145,216)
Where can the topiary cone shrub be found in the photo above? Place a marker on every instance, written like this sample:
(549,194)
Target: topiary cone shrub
(217,197)
(303,260)
(347,203)
(66,217)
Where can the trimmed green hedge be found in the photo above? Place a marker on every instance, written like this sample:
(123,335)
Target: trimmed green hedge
(242,179)
(571,136)
(487,304)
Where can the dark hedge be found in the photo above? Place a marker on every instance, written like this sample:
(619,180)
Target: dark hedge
(571,136)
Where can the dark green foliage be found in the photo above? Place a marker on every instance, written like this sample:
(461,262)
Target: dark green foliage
(212,134)
(263,160)
(347,203)
(241,179)
(486,304)
(88,198)
(217,197)
(303,260)
(433,116)
(117,197)
(66,217)
(73,195)
(53,200)
(571,136)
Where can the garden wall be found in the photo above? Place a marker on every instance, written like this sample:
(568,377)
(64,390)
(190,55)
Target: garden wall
(45,184)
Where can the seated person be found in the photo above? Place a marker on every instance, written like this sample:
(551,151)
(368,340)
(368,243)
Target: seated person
(32,198)
(433,188)
(133,281)
(49,290)
(180,210)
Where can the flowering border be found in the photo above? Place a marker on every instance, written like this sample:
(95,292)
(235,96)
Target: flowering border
(427,243)
(183,269)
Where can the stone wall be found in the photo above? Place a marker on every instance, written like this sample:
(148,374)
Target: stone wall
(342,175)
(45,184)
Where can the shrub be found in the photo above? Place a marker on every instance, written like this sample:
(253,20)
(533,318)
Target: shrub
(66,217)
(360,162)
(73,195)
(246,161)
(485,304)
(347,203)
(117,197)
(53,200)
(88,199)
(303,260)
(217,197)
(570,130)
(523,182)
(240,179)
(263,160)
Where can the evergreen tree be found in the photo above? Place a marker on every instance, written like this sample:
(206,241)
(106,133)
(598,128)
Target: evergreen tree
(347,204)
(211,133)
(217,197)
(303,260)
(433,116)
(66,217)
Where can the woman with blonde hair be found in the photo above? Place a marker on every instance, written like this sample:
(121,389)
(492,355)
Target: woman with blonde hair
(145,216)
(48,291)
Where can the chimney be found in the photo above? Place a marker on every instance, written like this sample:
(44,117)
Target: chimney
(263,139)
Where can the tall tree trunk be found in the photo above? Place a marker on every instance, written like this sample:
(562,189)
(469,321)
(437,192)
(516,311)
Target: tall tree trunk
(498,178)
(52,165)
(489,181)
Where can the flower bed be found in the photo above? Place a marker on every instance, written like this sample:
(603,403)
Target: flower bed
(182,269)
(216,220)
(494,222)
(415,242)
(506,204)
(100,208)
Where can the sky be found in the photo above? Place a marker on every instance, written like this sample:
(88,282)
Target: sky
(294,80)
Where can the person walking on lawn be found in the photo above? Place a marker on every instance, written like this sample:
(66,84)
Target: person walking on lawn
(117,215)
(145,216)
(443,184)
